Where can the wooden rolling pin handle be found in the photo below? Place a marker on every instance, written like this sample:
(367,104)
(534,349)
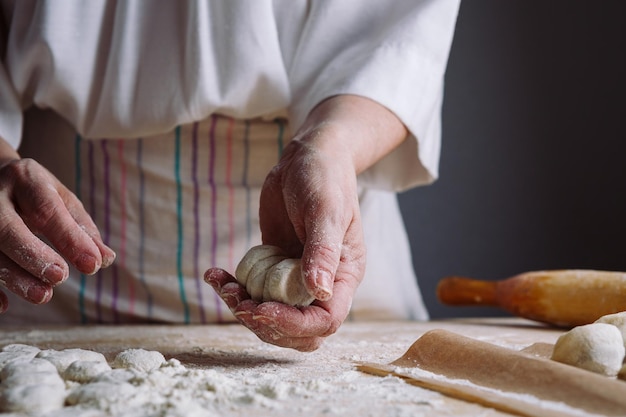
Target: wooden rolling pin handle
(461,291)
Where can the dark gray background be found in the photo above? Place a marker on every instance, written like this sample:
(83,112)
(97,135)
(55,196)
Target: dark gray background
(532,172)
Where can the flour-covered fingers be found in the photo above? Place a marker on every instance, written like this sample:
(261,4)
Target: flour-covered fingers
(19,246)
(44,211)
(301,328)
(227,287)
(21,283)
(84,221)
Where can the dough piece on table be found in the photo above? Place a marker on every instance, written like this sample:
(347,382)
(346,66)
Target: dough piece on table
(284,283)
(254,255)
(596,347)
(29,372)
(38,398)
(10,356)
(31,386)
(85,371)
(139,359)
(18,347)
(618,320)
(64,358)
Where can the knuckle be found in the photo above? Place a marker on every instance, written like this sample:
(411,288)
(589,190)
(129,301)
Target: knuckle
(43,213)
(326,255)
(333,326)
(17,170)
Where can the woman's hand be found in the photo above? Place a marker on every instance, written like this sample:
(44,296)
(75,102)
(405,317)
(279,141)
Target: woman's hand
(37,214)
(309,207)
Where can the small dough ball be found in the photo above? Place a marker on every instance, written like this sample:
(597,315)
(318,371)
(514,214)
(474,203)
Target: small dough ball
(19,347)
(17,351)
(269,275)
(63,358)
(10,356)
(284,283)
(254,255)
(596,347)
(31,386)
(85,371)
(618,320)
(32,399)
(258,273)
(27,366)
(139,359)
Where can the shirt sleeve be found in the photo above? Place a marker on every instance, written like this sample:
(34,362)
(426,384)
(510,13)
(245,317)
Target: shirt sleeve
(10,109)
(394,53)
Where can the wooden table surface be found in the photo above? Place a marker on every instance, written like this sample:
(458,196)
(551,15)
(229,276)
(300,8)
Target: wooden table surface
(324,382)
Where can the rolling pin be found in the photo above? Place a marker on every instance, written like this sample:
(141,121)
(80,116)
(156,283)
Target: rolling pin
(504,379)
(564,298)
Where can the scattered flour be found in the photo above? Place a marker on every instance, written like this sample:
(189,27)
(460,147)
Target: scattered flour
(142,383)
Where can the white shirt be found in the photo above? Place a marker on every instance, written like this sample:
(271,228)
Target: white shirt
(131,69)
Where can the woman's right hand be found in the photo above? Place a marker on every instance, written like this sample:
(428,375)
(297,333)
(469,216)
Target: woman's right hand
(37,214)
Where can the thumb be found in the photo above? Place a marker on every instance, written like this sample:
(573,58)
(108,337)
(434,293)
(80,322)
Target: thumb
(320,261)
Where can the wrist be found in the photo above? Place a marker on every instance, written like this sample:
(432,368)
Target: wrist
(354,127)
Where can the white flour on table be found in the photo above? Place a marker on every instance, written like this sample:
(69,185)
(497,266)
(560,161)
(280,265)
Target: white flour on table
(133,384)
(227,371)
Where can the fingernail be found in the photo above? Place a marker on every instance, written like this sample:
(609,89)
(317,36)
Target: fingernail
(108,258)
(38,294)
(87,264)
(323,286)
(53,274)
(209,278)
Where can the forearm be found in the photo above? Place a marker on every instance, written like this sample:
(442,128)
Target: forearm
(363,130)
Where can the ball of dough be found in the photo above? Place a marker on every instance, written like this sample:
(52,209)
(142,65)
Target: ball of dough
(139,359)
(85,371)
(269,275)
(63,358)
(32,399)
(27,366)
(19,347)
(618,320)
(255,284)
(596,347)
(284,283)
(31,386)
(254,255)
